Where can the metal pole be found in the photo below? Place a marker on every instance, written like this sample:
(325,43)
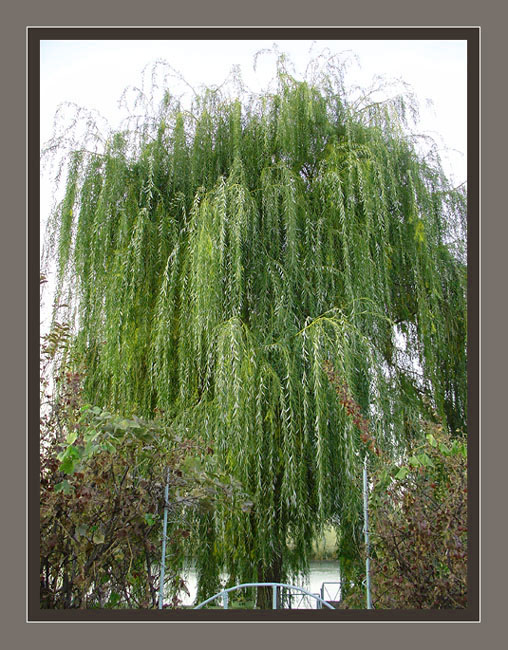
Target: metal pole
(274,598)
(164,535)
(366,531)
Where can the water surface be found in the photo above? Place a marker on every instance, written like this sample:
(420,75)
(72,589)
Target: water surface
(324,571)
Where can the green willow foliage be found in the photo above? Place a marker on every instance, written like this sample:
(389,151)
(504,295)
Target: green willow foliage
(214,259)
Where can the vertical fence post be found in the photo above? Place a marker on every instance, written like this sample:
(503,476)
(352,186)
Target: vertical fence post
(164,535)
(225,600)
(366,532)
(274,600)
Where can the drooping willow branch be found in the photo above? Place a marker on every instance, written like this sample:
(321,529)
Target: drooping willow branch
(199,257)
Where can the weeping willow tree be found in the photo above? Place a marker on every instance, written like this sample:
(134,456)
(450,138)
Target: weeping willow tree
(213,259)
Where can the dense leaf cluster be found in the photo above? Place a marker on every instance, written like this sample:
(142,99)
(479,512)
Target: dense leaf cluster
(420,527)
(102,481)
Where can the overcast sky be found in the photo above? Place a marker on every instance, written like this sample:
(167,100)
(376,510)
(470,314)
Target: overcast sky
(93,74)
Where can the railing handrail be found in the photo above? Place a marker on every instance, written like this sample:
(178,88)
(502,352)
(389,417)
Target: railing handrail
(263,584)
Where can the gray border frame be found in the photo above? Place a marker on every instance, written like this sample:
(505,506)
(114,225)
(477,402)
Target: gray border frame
(471,35)
(491,16)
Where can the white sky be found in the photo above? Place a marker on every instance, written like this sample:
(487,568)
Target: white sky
(93,74)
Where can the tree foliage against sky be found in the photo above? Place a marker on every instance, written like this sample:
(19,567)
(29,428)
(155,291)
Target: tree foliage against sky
(214,258)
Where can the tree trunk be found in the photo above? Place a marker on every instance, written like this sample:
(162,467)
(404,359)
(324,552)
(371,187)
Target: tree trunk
(272,573)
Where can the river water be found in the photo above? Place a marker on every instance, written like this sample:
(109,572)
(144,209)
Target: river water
(325,571)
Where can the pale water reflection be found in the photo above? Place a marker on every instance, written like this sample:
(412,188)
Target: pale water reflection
(324,571)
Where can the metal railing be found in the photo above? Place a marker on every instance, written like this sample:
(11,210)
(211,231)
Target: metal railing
(327,594)
(275,586)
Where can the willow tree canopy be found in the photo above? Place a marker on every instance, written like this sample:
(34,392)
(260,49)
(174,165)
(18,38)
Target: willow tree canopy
(215,258)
